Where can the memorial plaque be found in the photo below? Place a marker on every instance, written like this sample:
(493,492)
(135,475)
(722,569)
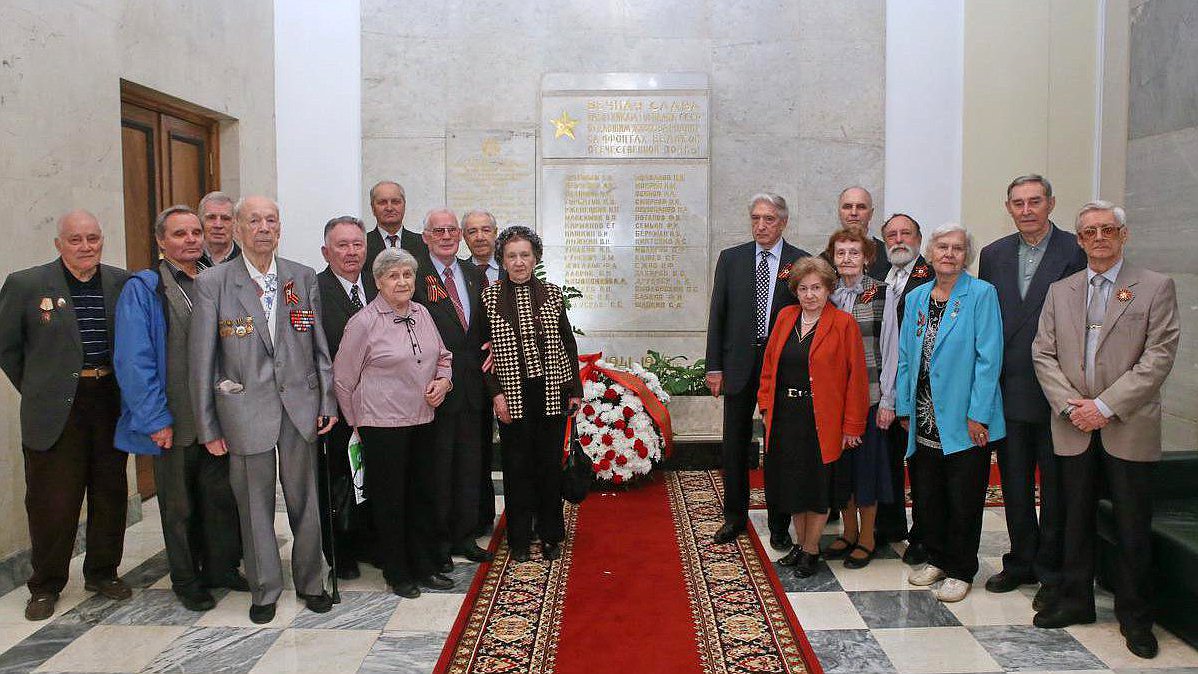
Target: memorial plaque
(624,203)
(494,171)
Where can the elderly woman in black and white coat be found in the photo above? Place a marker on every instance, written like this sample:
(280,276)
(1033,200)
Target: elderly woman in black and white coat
(534,384)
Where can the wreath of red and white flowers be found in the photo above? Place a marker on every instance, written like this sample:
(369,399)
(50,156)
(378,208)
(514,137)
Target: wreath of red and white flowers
(614,429)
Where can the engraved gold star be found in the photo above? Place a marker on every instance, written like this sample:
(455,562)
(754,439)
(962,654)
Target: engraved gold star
(564,126)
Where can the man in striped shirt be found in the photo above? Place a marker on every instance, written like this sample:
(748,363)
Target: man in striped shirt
(56,328)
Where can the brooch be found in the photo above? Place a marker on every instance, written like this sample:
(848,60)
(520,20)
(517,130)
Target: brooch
(1125,294)
(920,321)
(920,271)
(435,292)
(869,295)
(956,309)
(289,295)
(45,304)
(785,273)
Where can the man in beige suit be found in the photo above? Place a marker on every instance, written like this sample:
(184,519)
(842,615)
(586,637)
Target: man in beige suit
(1106,342)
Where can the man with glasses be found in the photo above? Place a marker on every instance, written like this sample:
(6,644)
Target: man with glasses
(1106,342)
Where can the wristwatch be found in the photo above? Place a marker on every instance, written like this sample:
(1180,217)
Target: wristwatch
(1068,411)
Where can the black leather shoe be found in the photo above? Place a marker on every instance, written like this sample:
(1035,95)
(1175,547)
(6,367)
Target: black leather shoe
(807,566)
(840,550)
(727,533)
(445,566)
(348,570)
(1141,643)
(521,555)
(406,589)
(112,588)
(472,552)
(1005,581)
(796,553)
(551,551)
(915,554)
(781,542)
(200,600)
(1046,598)
(260,615)
(436,582)
(317,603)
(1057,617)
(41,606)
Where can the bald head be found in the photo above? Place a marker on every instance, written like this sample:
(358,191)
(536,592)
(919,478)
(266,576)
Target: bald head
(258,225)
(855,209)
(80,242)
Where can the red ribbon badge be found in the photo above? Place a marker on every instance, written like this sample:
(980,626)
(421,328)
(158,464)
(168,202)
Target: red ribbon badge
(653,407)
(920,271)
(435,292)
(289,295)
(785,273)
(869,295)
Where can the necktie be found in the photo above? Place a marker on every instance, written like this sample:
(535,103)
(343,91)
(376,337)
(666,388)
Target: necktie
(763,286)
(354,298)
(270,286)
(1095,316)
(391,239)
(484,268)
(451,288)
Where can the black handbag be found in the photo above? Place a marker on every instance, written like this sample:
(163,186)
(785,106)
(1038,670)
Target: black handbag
(577,471)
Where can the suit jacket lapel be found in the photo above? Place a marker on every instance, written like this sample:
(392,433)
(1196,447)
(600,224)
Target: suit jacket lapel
(953,310)
(56,285)
(1128,278)
(247,293)
(1007,283)
(1076,306)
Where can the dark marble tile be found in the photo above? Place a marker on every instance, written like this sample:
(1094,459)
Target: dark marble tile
(404,653)
(462,575)
(357,611)
(40,646)
(1167,670)
(1027,648)
(157,607)
(902,608)
(823,580)
(148,572)
(849,652)
(229,650)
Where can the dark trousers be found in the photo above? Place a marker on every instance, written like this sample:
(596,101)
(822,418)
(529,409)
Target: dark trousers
(351,521)
(82,461)
(950,495)
(532,471)
(736,453)
(199,517)
(1035,544)
(399,468)
(455,481)
(892,517)
(1130,487)
(486,493)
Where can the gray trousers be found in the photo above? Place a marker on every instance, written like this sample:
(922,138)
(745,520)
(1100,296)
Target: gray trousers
(253,479)
(199,517)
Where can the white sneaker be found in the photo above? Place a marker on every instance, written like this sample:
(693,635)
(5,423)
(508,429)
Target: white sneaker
(926,576)
(951,590)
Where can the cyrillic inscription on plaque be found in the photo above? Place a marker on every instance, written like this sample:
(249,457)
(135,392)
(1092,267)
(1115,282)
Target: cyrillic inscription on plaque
(492,171)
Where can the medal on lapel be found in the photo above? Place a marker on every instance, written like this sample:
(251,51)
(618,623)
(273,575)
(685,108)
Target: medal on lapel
(1125,294)
(61,303)
(435,292)
(289,295)
(920,271)
(302,320)
(45,305)
(956,309)
(785,273)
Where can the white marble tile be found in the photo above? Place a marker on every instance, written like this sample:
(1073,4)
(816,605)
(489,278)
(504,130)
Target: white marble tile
(113,648)
(994,519)
(234,611)
(12,605)
(935,649)
(980,607)
(11,635)
(371,580)
(1104,641)
(324,651)
(881,574)
(431,612)
(825,611)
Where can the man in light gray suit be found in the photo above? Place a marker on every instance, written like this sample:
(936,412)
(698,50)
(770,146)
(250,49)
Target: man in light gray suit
(1106,342)
(261,379)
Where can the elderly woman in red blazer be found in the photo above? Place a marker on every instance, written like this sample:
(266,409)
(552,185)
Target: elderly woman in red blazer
(814,398)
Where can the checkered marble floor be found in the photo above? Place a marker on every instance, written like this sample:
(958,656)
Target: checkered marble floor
(867,620)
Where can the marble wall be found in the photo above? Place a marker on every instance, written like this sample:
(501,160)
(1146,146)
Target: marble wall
(1162,181)
(61,65)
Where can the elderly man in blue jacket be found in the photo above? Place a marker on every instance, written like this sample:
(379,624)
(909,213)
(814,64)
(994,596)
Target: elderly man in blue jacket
(199,515)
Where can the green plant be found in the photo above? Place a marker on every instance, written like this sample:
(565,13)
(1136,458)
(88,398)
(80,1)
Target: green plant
(568,292)
(677,377)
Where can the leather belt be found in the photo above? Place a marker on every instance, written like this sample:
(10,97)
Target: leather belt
(797,393)
(95,372)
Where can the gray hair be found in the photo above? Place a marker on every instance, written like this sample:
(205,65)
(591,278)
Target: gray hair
(435,211)
(772,199)
(971,249)
(477,213)
(241,204)
(160,221)
(387,182)
(1031,178)
(78,212)
(342,220)
(1101,205)
(391,258)
(217,197)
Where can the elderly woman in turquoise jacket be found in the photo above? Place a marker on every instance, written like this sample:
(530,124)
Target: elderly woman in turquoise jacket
(947,397)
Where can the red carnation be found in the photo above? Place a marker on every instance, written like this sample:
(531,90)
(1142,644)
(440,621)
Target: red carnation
(617,479)
(604,464)
(611,394)
(621,460)
(588,410)
(599,423)
(619,425)
(628,433)
(595,468)
(628,412)
(606,439)
(642,452)
(584,440)
(609,454)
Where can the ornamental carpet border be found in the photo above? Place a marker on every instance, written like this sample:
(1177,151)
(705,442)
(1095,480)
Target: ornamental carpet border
(742,618)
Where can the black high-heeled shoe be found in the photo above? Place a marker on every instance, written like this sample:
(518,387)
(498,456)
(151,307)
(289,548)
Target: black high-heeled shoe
(791,558)
(807,566)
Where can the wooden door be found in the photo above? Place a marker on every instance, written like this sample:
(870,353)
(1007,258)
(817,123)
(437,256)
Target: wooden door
(169,157)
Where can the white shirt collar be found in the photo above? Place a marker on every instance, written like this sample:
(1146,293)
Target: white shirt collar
(1111,274)
(348,285)
(490,262)
(775,250)
(440,266)
(257,275)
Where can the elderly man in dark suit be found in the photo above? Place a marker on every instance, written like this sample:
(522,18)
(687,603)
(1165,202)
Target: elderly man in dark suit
(56,330)
(262,387)
(1021,266)
(450,289)
(749,291)
(908,270)
(389,203)
(1107,341)
(345,287)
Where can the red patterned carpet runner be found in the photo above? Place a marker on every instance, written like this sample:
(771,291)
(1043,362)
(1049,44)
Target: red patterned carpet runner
(640,587)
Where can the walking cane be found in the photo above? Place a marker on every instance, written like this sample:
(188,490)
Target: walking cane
(328,492)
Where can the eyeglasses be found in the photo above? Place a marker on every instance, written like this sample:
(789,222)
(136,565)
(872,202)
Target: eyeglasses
(444,231)
(1104,232)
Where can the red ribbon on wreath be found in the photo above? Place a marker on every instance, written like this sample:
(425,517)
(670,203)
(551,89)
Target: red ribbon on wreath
(653,407)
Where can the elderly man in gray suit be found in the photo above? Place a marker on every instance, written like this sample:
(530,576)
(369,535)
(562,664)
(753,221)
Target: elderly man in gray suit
(1107,340)
(261,380)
